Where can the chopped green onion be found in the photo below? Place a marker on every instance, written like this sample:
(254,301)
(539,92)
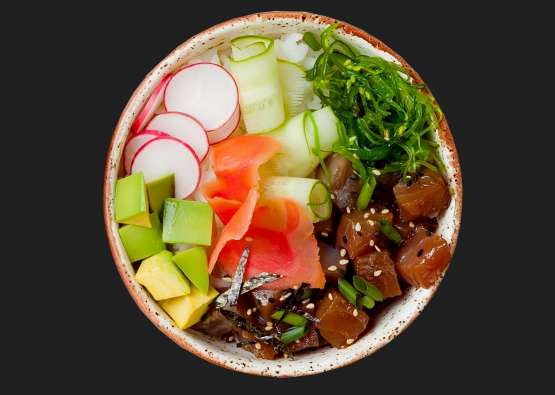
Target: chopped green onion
(367,288)
(347,290)
(366,301)
(390,232)
(290,318)
(311,41)
(293,334)
(359,283)
(373,292)
(366,193)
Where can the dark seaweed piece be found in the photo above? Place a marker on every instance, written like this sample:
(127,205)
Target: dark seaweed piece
(242,323)
(229,297)
(259,280)
(251,284)
(235,290)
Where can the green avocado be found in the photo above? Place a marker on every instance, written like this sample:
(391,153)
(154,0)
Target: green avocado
(187,310)
(159,275)
(140,242)
(159,190)
(131,202)
(194,264)
(187,221)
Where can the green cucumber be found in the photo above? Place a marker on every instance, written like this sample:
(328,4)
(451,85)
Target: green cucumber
(308,192)
(294,86)
(253,64)
(306,140)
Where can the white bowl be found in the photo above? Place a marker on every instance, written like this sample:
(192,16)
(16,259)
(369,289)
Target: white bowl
(390,322)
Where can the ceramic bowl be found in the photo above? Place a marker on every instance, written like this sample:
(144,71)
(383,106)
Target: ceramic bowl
(389,323)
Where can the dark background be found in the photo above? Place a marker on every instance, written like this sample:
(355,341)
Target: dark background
(476,334)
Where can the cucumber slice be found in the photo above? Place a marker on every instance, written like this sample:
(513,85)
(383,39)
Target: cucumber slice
(294,86)
(254,66)
(306,140)
(308,192)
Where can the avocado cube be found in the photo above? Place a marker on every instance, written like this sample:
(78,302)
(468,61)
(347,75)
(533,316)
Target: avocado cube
(159,190)
(131,202)
(140,242)
(187,310)
(159,275)
(187,221)
(194,265)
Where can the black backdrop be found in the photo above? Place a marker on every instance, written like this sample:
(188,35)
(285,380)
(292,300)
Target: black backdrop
(86,332)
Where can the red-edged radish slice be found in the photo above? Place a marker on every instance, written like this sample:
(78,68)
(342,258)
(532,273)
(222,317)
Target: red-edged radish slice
(164,155)
(151,105)
(183,127)
(216,136)
(207,92)
(133,145)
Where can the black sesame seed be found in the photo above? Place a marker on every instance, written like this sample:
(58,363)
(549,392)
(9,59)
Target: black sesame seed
(420,252)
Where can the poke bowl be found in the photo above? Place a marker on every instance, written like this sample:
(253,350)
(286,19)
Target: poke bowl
(282,194)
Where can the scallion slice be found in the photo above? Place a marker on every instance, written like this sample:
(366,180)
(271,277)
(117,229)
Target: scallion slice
(390,232)
(290,318)
(293,334)
(366,301)
(367,288)
(347,290)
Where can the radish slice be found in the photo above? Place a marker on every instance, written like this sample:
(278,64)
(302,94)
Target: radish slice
(222,133)
(164,155)
(183,127)
(151,105)
(207,92)
(133,145)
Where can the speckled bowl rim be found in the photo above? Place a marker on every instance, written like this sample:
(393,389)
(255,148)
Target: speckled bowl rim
(444,135)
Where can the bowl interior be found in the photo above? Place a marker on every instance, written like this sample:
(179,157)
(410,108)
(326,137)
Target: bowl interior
(388,323)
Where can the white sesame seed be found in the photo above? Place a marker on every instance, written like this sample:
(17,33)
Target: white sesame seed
(348,210)
(258,346)
(230,338)
(371,223)
(283,297)
(248,239)
(377,248)
(355,313)
(350,341)
(249,311)
(305,301)
(358,227)
(310,306)
(342,252)
(332,268)
(366,215)
(373,210)
(332,196)
(372,242)
(376,172)
(343,261)
(297,341)
(411,224)
(325,234)
(385,211)
(377,273)
(330,296)
(253,309)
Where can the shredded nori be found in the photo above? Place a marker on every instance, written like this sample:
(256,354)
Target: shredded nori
(249,285)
